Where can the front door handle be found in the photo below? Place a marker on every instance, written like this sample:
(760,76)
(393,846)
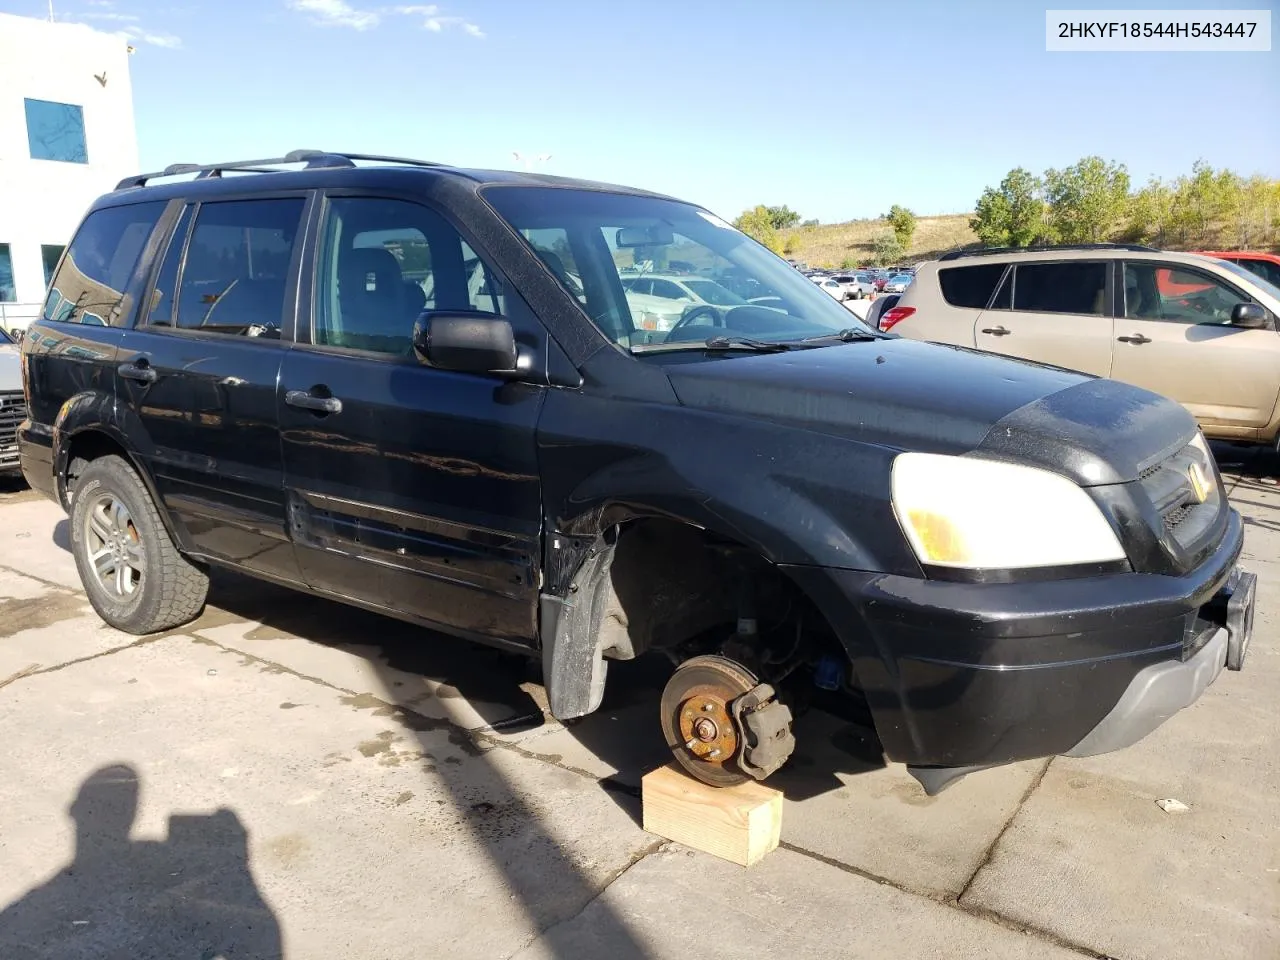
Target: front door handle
(309,401)
(142,371)
(997,331)
(1136,338)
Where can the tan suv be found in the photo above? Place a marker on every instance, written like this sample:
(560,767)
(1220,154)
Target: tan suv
(1199,330)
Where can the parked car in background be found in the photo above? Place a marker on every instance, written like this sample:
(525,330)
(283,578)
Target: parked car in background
(659,300)
(831,286)
(1195,328)
(855,286)
(13,407)
(1265,265)
(898,283)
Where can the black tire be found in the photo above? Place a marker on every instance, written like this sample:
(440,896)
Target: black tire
(164,589)
(692,675)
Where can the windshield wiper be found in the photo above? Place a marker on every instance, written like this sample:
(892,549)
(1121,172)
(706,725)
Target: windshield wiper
(713,344)
(847,335)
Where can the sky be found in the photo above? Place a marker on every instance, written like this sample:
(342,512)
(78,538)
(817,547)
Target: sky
(835,108)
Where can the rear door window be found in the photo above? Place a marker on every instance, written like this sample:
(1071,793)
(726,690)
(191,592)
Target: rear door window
(970,286)
(1066,287)
(237,262)
(92,283)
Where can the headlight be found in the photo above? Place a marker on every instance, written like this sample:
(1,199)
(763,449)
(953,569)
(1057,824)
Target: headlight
(981,514)
(1201,444)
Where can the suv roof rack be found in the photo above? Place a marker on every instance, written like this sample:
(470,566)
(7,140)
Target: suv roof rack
(312,158)
(988,251)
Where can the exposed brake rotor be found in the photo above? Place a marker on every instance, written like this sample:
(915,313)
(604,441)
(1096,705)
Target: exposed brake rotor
(724,726)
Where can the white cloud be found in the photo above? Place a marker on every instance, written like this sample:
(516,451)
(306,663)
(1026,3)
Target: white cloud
(127,26)
(336,13)
(339,13)
(166,40)
(438,24)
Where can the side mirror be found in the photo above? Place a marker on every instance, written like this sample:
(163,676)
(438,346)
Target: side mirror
(1250,316)
(468,342)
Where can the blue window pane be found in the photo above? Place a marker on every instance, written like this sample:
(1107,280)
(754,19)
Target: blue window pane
(50,254)
(55,131)
(7,291)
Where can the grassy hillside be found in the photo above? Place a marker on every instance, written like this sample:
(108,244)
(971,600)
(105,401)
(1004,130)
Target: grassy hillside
(832,244)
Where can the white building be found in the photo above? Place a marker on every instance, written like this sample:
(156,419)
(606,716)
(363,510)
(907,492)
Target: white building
(66,136)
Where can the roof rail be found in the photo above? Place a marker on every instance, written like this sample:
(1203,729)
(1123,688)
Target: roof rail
(313,159)
(988,251)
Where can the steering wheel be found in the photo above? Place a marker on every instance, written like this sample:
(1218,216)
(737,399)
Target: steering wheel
(699,311)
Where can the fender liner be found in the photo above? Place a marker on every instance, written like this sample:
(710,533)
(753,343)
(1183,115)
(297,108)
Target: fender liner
(573,662)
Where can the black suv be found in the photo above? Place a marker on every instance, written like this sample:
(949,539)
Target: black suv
(437,393)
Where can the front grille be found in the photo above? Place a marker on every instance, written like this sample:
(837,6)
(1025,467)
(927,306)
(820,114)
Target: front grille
(13,410)
(1150,471)
(1187,515)
(1176,516)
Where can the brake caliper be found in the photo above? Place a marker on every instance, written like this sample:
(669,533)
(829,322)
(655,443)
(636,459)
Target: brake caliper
(765,722)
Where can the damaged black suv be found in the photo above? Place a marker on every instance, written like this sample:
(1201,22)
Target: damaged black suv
(585,422)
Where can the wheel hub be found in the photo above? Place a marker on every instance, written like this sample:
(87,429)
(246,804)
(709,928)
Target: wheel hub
(706,727)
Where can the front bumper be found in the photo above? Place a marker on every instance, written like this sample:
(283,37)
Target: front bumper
(962,676)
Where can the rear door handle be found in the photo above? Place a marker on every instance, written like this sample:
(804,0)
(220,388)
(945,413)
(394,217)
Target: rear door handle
(997,331)
(309,401)
(141,371)
(1136,338)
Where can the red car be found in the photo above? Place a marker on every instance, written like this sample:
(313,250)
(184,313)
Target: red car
(1265,265)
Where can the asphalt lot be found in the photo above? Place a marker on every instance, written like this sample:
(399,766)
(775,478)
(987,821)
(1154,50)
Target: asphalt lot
(288,776)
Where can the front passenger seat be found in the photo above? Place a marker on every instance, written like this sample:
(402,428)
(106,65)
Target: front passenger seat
(372,299)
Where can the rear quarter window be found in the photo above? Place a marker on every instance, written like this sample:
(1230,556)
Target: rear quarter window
(970,286)
(1071,286)
(92,283)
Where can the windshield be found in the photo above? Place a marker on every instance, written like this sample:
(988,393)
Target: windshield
(616,254)
(4,336)
(711,292)
(1262,283)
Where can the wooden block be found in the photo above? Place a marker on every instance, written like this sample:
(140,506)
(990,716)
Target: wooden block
(740,824)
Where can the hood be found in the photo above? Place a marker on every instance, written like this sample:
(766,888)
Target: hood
(934,398)
(10,367)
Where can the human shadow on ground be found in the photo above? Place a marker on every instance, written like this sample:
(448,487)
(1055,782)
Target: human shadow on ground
(485,806)
(191,895)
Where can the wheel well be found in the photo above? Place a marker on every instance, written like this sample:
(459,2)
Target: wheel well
(83,449)
(87,446)
(680,589)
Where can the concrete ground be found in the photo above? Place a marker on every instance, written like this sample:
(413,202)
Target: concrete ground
(290,777)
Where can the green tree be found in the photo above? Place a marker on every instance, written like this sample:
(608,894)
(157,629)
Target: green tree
(1087,200)
(1206,205)
(758,224)
(1259,213)
(1012,214)
(1150,213)
(783,217)
(903,223)
(887,249)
